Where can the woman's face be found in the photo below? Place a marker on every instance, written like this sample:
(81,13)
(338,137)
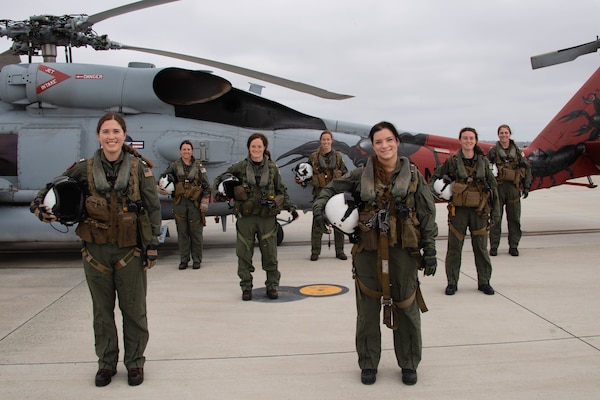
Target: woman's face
(186,153)
(468,140)
(111,137)
(385,145)
(257,150)
(504,137)
(326,142)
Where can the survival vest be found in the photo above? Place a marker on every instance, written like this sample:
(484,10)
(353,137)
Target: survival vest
(258,196)
(396,200)
(469,186)
(508,162)
(388,218)
(184,186)
(111,214)
(325,169)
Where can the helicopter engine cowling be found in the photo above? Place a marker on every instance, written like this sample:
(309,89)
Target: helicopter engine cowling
(148,90)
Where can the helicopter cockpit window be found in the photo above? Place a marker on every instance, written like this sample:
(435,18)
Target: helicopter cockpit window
(8,154)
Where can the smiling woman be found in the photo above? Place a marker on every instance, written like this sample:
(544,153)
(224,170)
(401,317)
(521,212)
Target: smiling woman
(395,238)
(119,234)
(474,205)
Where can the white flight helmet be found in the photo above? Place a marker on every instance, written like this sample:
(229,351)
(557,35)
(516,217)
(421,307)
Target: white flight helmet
(167,183)
(65,200)
(443,188)
(494,168)
(228,182)
(303,171)
(342,213)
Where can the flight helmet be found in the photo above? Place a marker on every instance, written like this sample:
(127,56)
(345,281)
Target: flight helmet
(342,212)
(303,171)
(228,182)
(167,183)
(443,188)
(65,199)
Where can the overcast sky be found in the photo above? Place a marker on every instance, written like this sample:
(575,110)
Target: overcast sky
(429,66)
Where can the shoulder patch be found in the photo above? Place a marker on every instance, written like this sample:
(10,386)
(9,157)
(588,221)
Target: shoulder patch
(75,163)
(147,172)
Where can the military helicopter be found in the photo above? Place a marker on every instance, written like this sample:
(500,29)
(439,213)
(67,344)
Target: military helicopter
(55,107)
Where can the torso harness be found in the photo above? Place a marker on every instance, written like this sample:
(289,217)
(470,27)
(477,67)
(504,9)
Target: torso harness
(470,189)
(325,169)
(258,196)
(189,188)
(111,210)
(388,219)
(508,163)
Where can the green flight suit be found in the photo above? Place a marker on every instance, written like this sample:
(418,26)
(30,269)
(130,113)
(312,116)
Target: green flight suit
(509,192)
(112,271)
(188,218)
(325,168)
(402,266)
(461,217)
(257,217)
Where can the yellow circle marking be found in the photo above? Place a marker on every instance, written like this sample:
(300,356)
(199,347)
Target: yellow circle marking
(320,290)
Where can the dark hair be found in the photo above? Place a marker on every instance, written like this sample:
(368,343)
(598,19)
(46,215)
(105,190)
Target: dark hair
(110,116)
(186,142)
(477,149)
(505,126)
(326,133)
(263,138)
(383,125)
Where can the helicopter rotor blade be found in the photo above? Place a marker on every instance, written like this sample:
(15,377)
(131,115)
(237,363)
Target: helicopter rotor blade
(8,57)
(298,86)
(564,55)
(92,19)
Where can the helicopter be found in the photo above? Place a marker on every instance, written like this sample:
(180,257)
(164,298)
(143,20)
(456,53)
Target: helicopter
(55,106)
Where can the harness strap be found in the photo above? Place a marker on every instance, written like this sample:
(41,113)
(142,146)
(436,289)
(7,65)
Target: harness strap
(269,234)
(94,263)
(421,300)
(179,218)
(397,305)
(481,231)
(247,243)
(196,222)
(458,235)
(122,263)
(383,266)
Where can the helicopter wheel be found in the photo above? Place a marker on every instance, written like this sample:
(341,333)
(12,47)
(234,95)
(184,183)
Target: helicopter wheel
(279,234)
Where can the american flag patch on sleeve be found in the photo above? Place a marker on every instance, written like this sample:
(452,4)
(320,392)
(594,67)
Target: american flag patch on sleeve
(147,172)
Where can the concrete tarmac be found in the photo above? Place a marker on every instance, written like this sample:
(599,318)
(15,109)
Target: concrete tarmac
(537,337)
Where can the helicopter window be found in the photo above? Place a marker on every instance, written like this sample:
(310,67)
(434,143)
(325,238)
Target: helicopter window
(237,107)
(8,155)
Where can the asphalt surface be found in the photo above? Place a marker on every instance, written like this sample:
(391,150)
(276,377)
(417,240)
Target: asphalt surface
(537,337)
